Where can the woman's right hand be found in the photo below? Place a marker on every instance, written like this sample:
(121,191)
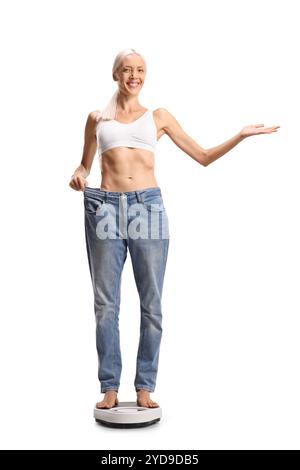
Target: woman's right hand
(78,182)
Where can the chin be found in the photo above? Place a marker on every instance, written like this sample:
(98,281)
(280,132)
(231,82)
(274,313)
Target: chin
(134,90)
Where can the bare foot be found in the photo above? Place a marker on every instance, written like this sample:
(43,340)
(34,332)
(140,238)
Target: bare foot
(110,399)
(143,399)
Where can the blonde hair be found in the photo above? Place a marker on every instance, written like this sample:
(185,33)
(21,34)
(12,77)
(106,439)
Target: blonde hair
(109,112)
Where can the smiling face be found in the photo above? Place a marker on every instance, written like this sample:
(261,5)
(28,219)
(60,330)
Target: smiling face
(131,74)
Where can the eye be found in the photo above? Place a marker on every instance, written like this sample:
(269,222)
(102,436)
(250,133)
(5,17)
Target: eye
(128,70)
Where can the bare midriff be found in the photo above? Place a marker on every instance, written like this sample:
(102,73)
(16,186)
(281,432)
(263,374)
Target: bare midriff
(127,169)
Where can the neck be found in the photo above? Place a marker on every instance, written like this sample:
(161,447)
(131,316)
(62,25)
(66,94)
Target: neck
(128,104)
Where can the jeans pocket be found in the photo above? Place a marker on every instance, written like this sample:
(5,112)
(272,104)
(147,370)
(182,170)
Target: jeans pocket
(93,205)
(154,203)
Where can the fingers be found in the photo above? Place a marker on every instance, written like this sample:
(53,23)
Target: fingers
(271,129)
(267,130)
(78,183)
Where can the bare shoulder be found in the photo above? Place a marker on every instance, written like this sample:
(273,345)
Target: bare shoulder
(163,114)
(160,113)
(95,115)
(92,121)
(166,120)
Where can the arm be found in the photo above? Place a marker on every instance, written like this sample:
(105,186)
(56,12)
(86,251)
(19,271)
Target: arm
(194,150)
(172,128)
(78,181)
(216,152)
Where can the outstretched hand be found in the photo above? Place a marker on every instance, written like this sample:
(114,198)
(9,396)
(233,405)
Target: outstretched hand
(257,129)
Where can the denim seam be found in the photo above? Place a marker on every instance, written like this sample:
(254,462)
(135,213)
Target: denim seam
(142,341)
(115,322)
(114,337)
(106,389)
(143,388)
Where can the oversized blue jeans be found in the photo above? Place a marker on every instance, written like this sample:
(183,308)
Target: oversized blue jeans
(115,221)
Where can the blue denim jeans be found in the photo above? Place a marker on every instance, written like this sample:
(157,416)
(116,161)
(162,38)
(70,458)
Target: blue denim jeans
(114,222)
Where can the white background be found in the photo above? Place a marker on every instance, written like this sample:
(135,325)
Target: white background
(229,360)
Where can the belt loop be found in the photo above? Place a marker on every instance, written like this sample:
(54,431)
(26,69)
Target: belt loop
(139,196)
(105,195)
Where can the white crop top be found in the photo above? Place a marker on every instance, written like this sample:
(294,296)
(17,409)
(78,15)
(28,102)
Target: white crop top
(140,133)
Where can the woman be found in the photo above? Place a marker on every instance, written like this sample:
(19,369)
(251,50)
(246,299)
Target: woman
(128,212)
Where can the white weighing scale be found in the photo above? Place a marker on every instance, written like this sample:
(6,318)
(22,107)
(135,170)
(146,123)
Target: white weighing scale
(127,414)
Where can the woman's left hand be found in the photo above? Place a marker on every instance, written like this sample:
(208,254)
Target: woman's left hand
(257,129)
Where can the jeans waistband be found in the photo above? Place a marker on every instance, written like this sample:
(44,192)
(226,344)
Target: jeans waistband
(138,195)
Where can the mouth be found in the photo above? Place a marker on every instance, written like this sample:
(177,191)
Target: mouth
(133,84)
